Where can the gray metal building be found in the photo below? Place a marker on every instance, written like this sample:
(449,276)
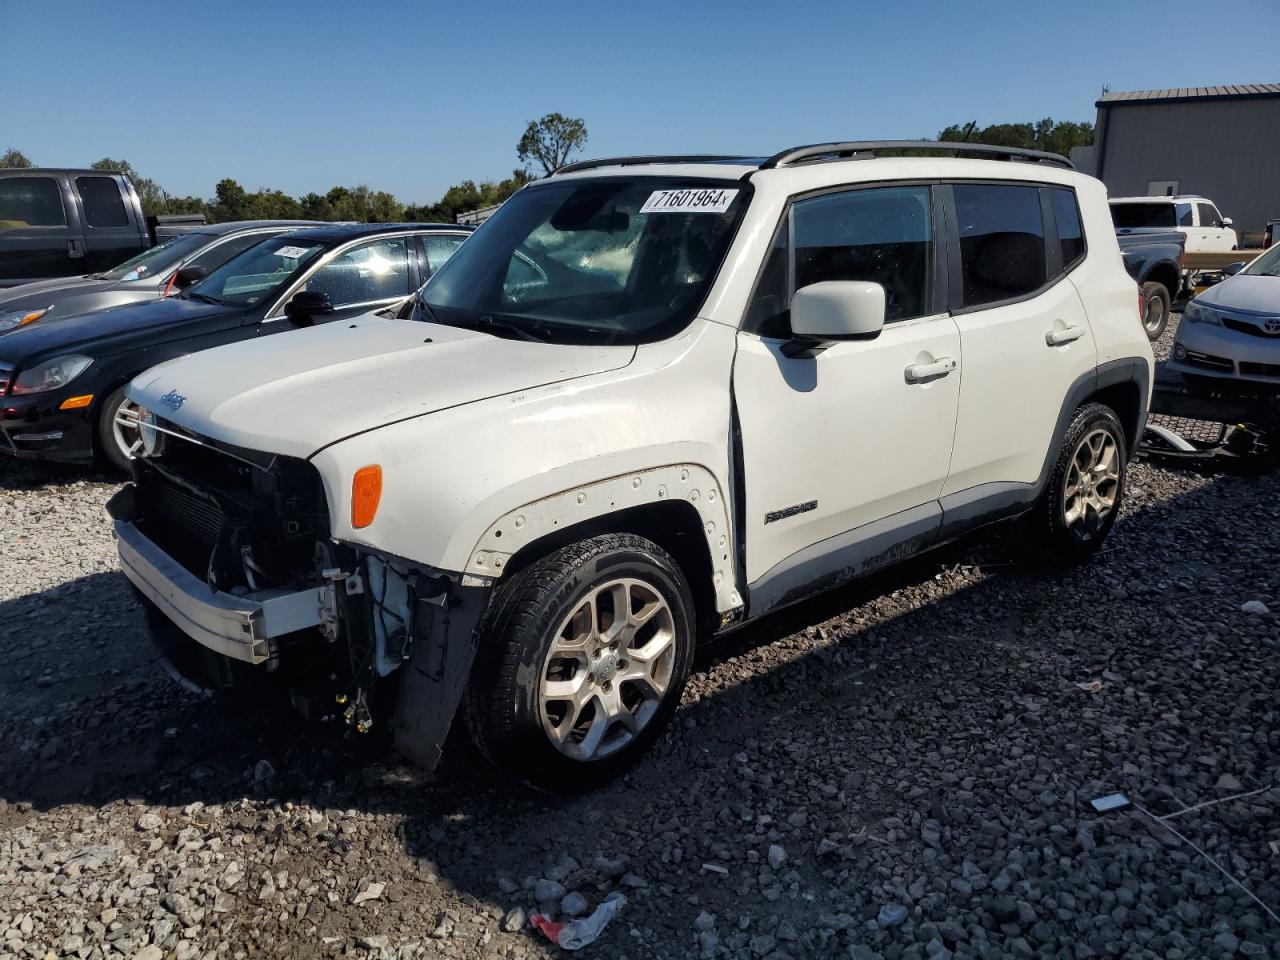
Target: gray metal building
(1220,142)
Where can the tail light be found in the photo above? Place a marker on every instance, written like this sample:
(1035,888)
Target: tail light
(1269,235)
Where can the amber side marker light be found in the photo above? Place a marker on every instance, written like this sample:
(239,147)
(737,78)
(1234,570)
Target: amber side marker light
(76,403)
(366,491)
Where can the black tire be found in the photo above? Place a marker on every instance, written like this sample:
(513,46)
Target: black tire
(1155,309)
(502,706)
(1050,534)
(109,451)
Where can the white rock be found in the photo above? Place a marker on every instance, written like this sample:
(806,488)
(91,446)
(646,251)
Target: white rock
(1255,607)
(372,892)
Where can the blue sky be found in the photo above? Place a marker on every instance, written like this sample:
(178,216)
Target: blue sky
(411,97)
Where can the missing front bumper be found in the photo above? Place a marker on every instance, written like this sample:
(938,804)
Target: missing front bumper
(238,627)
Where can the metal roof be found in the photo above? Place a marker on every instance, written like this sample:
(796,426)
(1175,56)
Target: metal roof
(1173,94)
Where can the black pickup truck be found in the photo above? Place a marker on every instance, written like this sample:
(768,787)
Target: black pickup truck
(1153,257)
(61,223)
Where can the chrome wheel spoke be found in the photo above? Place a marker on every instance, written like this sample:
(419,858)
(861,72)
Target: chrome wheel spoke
(1091,486)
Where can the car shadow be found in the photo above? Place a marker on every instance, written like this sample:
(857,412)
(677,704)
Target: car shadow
(932,708)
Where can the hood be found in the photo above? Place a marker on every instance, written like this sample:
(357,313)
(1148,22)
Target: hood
(299,391)
(41,293)
(107,330)
(1256,294)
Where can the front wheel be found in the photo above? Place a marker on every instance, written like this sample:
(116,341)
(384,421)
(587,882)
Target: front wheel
(584,655)
(1155,309)
(119,437)
(1082,498)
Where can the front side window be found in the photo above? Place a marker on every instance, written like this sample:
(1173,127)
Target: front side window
(1002,252)
(600,260)
(247,280)
(881,235)
(1208,215)
(159,259)
(1184,215)
(30,202)
(1066,215)
(103,205)
(1128,216)
(371,272)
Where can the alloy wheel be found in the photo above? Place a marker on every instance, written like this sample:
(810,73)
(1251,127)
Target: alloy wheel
(1092,486)
(126,428)
(609,666)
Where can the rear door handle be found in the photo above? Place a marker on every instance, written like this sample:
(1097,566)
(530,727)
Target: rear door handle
(75,249)
(1056,338)
(920,372)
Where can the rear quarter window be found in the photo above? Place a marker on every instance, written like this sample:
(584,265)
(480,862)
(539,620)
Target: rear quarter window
(1066,216)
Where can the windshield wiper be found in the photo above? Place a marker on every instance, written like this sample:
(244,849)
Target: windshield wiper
(202,297)
(493,323)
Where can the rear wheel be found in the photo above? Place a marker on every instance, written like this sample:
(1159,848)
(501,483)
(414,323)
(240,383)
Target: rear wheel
(119,437)
(1082,499)
(584,657)
(1155,309)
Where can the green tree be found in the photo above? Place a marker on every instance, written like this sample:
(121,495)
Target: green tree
(1047,134)
(15,158)
(551,140)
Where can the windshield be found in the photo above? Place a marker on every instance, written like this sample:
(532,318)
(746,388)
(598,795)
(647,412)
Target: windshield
(250,278)
(619,260)
(159,260)
(1143,215)
(1267,265)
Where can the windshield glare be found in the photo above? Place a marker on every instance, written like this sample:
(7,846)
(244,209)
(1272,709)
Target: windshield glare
(1267,265)
(246,280)
(619,260)
(160,259)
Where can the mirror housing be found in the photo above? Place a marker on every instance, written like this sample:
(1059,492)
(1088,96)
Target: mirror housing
(305,305)
(838,310)
(186,276)
(1226,221)
(1231,269)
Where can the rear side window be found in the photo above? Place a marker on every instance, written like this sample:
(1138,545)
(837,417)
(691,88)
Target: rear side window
(1002,249)
(30,202)
(1133,215)
(440,249)
(1066,215)
(883,235)
(103,205)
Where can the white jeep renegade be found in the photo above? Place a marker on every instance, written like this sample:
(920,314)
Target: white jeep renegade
(649,400)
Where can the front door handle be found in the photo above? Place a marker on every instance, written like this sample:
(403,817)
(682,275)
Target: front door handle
(920,372)
(1057,337)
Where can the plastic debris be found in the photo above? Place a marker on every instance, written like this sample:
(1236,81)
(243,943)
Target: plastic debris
(1112,801)
(1090,686)
(580,933)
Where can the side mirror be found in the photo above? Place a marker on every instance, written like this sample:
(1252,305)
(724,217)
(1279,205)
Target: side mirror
(1231,269)
(189,275)
(835,310)
(305,305)
(1226,221)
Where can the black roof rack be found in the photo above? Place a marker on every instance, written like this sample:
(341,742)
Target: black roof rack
(866,149)
(657,158)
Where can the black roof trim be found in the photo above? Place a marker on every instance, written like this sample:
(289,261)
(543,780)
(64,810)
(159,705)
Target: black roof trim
(866,149)
(656,158)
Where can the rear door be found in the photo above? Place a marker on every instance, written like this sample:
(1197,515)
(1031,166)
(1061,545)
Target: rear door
(112,232)
(845,452)
(38,233)
(1024,335)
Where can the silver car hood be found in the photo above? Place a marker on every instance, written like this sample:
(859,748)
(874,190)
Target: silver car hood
(1255,294)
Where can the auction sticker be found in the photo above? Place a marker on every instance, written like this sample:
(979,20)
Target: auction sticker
(293,253)
(689,201)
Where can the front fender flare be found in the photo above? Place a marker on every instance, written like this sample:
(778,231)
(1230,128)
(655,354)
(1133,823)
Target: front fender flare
(689,482)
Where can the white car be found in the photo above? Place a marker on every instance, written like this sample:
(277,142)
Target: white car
(648,401)
(1205,228)
(1232,330)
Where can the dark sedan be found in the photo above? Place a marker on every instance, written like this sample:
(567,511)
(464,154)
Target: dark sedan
(62,383)
(162,271)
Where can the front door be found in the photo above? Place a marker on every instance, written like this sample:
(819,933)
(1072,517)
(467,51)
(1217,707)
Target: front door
(845,452)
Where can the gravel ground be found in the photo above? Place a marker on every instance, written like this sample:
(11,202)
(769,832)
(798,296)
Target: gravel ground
(899,769)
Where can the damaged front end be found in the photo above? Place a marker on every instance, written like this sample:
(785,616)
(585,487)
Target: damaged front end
(244,585)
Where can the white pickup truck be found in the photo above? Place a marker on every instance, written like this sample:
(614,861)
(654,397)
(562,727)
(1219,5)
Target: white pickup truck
(650,400)
(1196,218)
